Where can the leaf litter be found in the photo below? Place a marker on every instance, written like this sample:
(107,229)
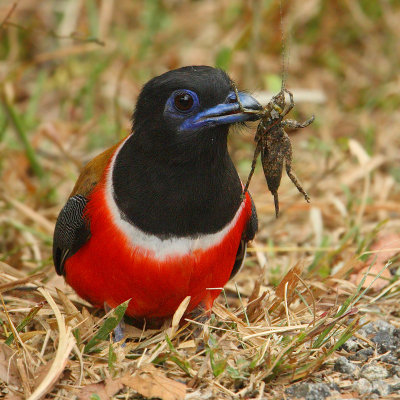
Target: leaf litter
(276,339)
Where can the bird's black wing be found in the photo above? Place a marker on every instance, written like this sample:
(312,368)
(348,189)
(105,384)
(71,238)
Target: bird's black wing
(248,234)
(72,231)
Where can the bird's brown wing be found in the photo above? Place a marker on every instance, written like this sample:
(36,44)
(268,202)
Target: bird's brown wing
(92,173)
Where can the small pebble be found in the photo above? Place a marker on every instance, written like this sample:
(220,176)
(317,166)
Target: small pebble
(373,372)
(385,342)
(377,326)
(334,387)
(390,359)
(395,387)
(396,333)
(395,370)
(351,345)
(310,391)
(367,329)
(381,388)
(344,366)
(362,386)
(384,326)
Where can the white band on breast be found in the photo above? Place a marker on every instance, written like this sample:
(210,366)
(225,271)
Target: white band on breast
(161,248)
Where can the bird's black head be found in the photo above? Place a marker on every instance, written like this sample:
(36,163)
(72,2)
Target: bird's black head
(186,113)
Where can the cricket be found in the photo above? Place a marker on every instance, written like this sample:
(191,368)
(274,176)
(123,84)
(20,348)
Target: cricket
(274,143)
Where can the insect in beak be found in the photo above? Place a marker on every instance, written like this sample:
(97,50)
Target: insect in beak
(274,143)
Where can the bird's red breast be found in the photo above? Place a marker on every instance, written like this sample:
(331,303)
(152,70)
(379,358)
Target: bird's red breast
(121,262)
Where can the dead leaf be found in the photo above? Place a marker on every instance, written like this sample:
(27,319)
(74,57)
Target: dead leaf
(256,290)
(113,386)
(88,391)
(385,248)
(104,390)
(29,335)
(20,282)
(292,280)
(13,396)
(8,366)
(344,271)
(379,284)
(179,314)
(42,372)
(26,384)
(256,308)
(149,382)
(85,324)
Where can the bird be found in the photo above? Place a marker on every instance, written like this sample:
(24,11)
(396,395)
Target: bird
(161,215)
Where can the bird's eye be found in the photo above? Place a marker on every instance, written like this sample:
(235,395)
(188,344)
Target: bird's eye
(183,101)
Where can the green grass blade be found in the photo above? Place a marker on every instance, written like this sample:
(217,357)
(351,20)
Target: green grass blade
(108,326)
(112,359)
(19,128)
(24,322)
(218,366)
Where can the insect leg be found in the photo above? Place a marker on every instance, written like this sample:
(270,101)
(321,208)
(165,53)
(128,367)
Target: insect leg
(241,108)
(287,150)
(253,166)
(291,123)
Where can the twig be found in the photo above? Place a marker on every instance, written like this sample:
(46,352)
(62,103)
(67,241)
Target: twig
(65,344)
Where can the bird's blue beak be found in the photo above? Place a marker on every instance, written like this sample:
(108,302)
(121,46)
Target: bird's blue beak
(223,114)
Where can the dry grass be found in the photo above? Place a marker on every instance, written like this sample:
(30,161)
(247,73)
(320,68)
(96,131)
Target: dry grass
(64,99)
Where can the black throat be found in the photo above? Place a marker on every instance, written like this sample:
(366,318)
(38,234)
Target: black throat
(198,196)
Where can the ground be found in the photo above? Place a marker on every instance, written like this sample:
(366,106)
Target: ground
(314,313)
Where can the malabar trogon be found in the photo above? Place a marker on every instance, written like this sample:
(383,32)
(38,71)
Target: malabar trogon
(160,215)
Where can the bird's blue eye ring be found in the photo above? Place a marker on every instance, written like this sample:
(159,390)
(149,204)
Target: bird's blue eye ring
(183,101)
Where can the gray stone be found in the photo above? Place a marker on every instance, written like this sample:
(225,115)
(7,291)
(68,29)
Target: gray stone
(310,391)
(362,355)
(362,386)
(343,365)
(377,326)
(334,386)
(367,329)
(373,372)
(381,388)
(390,359)
(395,370)
(384,326)
(395,387)
(385,341)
